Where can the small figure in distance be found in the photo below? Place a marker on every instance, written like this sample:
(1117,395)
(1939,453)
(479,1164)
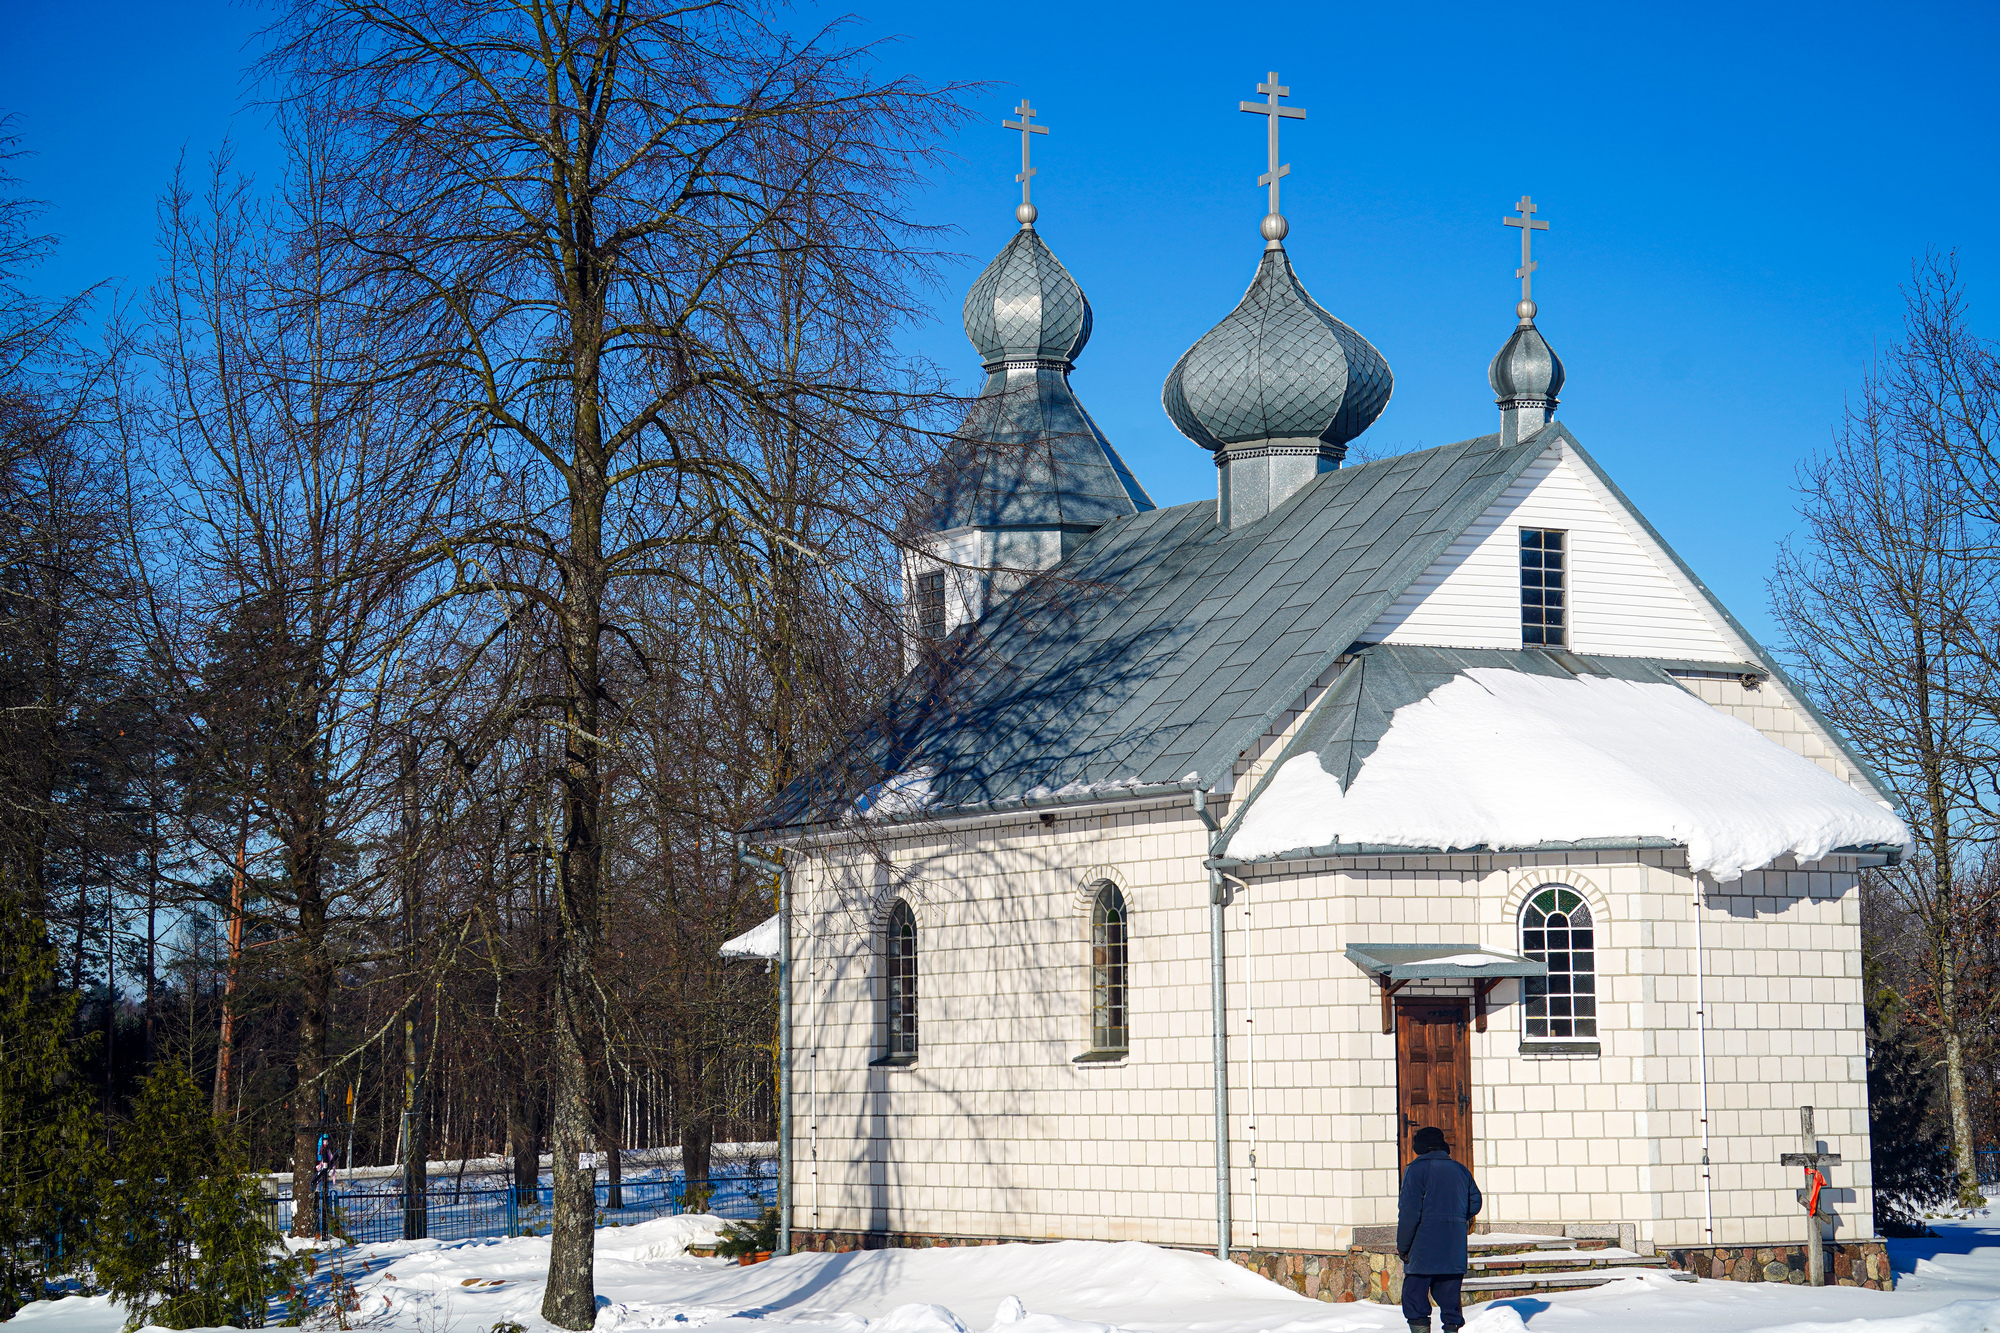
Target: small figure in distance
(1433,1217)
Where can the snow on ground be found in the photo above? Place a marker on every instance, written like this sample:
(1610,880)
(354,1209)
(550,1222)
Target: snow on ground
(1611,758)
(646,1281)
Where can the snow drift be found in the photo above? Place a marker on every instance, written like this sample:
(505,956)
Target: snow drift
(1500,758)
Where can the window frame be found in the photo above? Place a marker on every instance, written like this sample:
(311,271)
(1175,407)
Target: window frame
(932,615)
(1568,986)
(1110,975)
(902,1009)
(1540,571)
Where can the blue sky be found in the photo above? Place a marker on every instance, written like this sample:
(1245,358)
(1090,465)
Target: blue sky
(1736,192)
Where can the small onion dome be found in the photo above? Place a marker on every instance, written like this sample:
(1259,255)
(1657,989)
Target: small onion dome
(1277,368)
(1026,307)
(1526,368)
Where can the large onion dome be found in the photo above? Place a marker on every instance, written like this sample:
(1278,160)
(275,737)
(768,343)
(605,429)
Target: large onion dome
(1278,369)
(1026,307)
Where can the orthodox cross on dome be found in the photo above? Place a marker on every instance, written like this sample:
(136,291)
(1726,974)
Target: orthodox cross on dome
(1273,90)
(1026,125)
(1526,222)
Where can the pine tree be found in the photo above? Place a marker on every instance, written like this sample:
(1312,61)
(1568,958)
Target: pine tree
(1910,1152)
(184,1243)
(49,1156)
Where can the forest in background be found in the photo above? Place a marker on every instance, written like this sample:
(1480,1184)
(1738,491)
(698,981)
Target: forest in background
(405,599)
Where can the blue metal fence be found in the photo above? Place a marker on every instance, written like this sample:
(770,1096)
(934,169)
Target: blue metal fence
(370,1214)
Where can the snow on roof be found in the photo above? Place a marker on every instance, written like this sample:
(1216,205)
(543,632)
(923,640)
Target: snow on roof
(760,941)
(1500,758)
(898,797)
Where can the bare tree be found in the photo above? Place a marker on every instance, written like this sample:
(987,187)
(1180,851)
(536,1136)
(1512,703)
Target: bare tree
(1874,600)
(584,208)
(291,481)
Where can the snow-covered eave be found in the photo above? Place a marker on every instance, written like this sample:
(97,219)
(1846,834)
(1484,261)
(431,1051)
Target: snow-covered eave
(1888,853)
(760,941)
(992,808)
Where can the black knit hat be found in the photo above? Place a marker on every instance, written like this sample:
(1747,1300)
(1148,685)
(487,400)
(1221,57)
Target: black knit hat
(1430,1139)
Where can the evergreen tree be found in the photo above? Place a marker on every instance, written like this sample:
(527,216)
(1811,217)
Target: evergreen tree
(49,1156)
(184,1243)
(1910,1151)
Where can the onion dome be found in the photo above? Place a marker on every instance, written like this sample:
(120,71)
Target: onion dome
(1526,368)
(1279,370)
(1026,307)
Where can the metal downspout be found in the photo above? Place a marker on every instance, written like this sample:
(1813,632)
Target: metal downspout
(785,1060)
(1218,898)
(784,960)
(1701,1061)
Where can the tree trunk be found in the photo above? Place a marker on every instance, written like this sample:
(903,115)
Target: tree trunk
(225,1045)
(697,1138)
(524,1135)
(152,926)
(571,1299)
(609,1138)
(1956,1096)
(315,995)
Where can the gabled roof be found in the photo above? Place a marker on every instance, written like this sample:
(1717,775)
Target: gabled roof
(1165,645)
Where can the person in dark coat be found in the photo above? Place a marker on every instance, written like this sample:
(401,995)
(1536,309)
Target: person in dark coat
(1433,1217)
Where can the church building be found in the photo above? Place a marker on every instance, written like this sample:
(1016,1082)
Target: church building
(1208,852)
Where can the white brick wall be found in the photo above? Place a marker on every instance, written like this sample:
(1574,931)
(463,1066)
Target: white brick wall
(995,1132)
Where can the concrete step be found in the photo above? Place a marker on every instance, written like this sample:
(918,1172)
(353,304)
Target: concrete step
(1512,1242)
(1562,1270)
(1609,1256)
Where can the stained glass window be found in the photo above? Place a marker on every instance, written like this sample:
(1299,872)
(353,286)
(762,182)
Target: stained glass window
(902,969)
(1556,929)
(1109,1017)
(1543,602)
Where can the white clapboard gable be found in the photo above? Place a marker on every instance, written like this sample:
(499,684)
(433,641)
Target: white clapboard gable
(1626,598)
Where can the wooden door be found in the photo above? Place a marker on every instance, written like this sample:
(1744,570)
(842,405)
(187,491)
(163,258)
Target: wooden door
(1433,1075)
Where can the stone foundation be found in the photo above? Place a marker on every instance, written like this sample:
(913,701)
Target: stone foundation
(1361,1274)
(1372,1272)
(841,1242)
(1850,1263)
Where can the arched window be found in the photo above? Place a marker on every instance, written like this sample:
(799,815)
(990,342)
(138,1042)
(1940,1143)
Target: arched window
(1110,1018)
(1556,929)
(901,958)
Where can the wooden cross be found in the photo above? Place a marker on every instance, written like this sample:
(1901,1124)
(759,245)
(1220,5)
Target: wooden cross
(1026,125)
(1273,90)
(1815,1163)
(1526,222)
